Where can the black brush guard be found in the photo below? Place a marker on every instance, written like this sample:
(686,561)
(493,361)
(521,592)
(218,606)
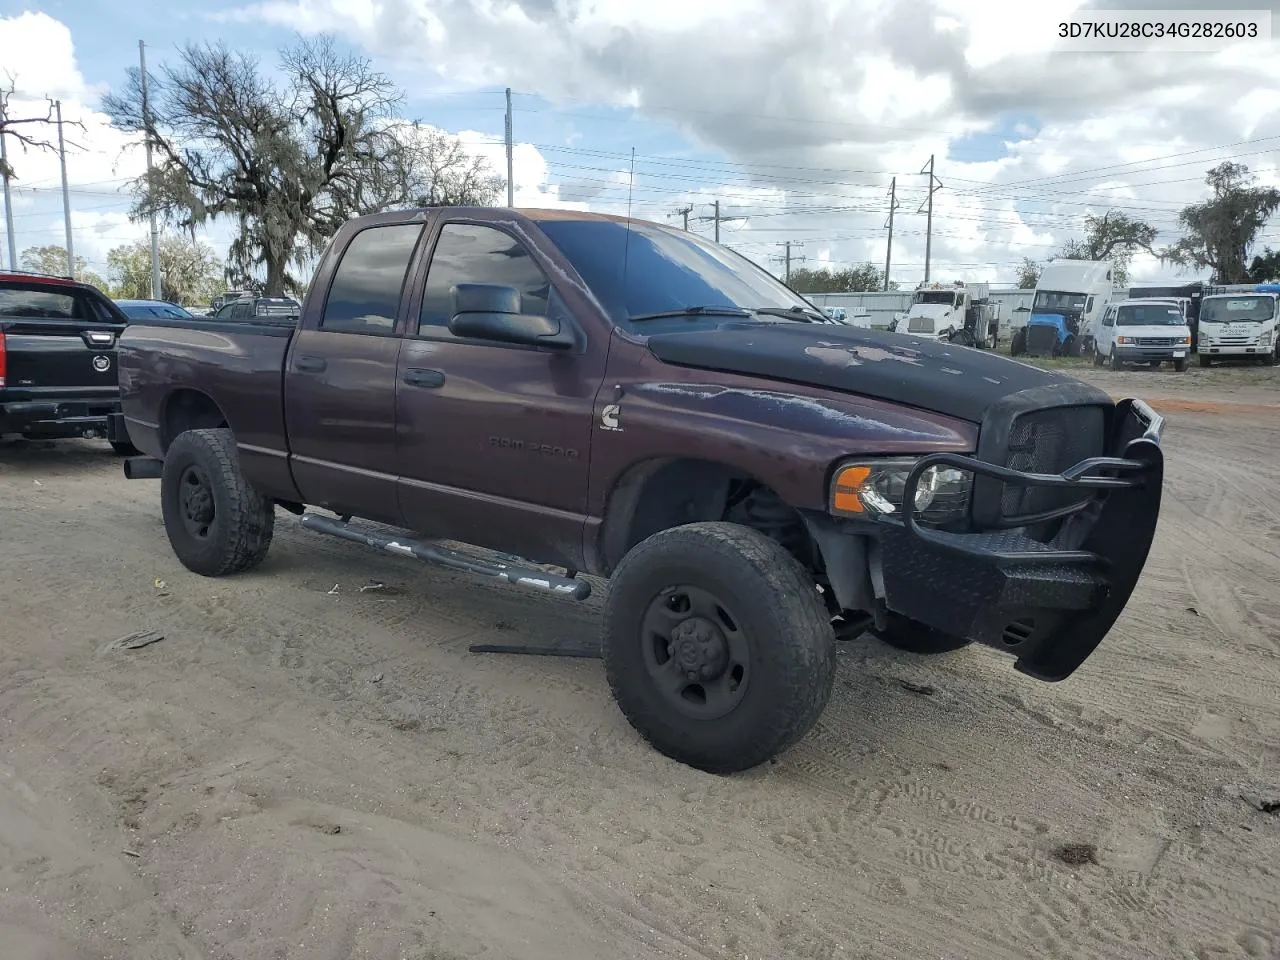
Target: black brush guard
(1050,604)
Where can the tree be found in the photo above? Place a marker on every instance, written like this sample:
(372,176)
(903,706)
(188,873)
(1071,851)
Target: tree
(189,270)
(1220,230)
(1114,236)
(288,163)
(452,177)
(52,260)
(1265,267)
(1029,274)
(862,278)
(23,130)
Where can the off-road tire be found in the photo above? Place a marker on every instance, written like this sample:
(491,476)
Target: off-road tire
(1179,364)
(786,626)
(123,448)
(1203,359)
(1018,345)
(912,637)
(240,532)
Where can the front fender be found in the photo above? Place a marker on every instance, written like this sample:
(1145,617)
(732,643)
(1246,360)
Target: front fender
(785,439)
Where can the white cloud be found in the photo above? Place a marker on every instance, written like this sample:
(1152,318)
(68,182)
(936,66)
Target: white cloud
(810,107)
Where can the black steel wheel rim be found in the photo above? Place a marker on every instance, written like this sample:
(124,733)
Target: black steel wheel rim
(695,652)
(195,502)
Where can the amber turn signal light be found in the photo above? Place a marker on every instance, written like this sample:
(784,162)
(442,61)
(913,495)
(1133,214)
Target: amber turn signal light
(847,486)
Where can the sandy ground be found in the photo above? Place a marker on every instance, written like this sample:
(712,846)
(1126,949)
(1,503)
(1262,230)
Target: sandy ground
(302,772)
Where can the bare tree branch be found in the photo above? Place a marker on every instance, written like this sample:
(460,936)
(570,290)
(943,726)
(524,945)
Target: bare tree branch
(287,164)
(21,129)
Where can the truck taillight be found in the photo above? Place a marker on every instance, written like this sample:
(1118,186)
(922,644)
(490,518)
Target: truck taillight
(2,359)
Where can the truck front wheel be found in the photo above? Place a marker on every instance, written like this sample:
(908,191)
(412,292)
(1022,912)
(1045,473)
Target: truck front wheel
(217,524)
(717,645)
(904,634)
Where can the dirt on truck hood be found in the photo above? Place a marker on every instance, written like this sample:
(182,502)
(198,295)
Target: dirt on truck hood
(899,368)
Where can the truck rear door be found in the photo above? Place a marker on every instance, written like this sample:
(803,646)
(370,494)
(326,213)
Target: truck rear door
(340,375)
(59,343)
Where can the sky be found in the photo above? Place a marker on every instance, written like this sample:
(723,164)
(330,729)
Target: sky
(796,117)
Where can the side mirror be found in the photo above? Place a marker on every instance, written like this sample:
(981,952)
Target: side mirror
(483,311)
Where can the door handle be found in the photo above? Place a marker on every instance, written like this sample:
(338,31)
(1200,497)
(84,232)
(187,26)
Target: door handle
(424,378)
(310,364)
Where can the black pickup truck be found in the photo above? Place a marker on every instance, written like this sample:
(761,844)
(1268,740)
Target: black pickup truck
(57,360)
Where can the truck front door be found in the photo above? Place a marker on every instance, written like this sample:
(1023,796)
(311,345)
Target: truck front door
(340,378)
(493,439)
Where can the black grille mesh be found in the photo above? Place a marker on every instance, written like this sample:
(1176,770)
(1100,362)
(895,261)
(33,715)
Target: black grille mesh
(1050,441)
(1041,338)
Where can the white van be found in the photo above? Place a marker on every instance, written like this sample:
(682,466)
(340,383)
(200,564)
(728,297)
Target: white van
(1142,331)
(1239,325)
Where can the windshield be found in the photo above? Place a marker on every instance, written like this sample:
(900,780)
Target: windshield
(1242,309)
(1149,315)
(919,325)
(666,270)
(1055,301)
(936,296)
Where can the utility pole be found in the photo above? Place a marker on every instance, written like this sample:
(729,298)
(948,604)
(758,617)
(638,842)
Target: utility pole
(787,258)
(934,186)
(8,200)
(888,250)
(511,187)
(66,193)
(684,212)
(151,180)
(719,219)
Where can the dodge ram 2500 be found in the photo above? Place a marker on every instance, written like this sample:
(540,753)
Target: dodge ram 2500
(631,401)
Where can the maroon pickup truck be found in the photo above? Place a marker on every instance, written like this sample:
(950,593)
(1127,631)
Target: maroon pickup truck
(631,401)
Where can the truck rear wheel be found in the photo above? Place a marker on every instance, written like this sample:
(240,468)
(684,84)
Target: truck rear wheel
(217,524)
(718,648)
(904,634)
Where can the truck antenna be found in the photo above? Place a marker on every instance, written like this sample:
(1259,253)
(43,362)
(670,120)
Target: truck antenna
(626,246)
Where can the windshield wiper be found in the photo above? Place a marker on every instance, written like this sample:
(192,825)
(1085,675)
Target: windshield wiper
(712,311)
(793,313)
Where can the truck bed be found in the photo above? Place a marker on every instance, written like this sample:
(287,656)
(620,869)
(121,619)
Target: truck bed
(239,362)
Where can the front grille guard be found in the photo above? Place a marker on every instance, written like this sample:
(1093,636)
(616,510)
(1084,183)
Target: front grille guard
(1137,425)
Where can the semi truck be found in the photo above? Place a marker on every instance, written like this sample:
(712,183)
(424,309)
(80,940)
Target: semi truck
(1070,298)
(959,313)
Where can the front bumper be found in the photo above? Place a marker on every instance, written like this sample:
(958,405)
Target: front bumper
(1235,349)
(1140,354)
(57,419)
(1048,604)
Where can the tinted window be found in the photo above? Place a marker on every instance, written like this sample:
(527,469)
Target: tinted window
(466,253)
(41,304)
(365,294)
(666,269)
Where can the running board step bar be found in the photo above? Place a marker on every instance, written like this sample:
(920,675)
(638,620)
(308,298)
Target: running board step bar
(439,556)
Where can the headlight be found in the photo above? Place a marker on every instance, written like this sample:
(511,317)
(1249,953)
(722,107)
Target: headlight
(1265,339)
(874,488)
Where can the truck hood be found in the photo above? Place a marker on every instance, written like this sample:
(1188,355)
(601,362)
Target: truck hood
(897,368)
(935,311)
